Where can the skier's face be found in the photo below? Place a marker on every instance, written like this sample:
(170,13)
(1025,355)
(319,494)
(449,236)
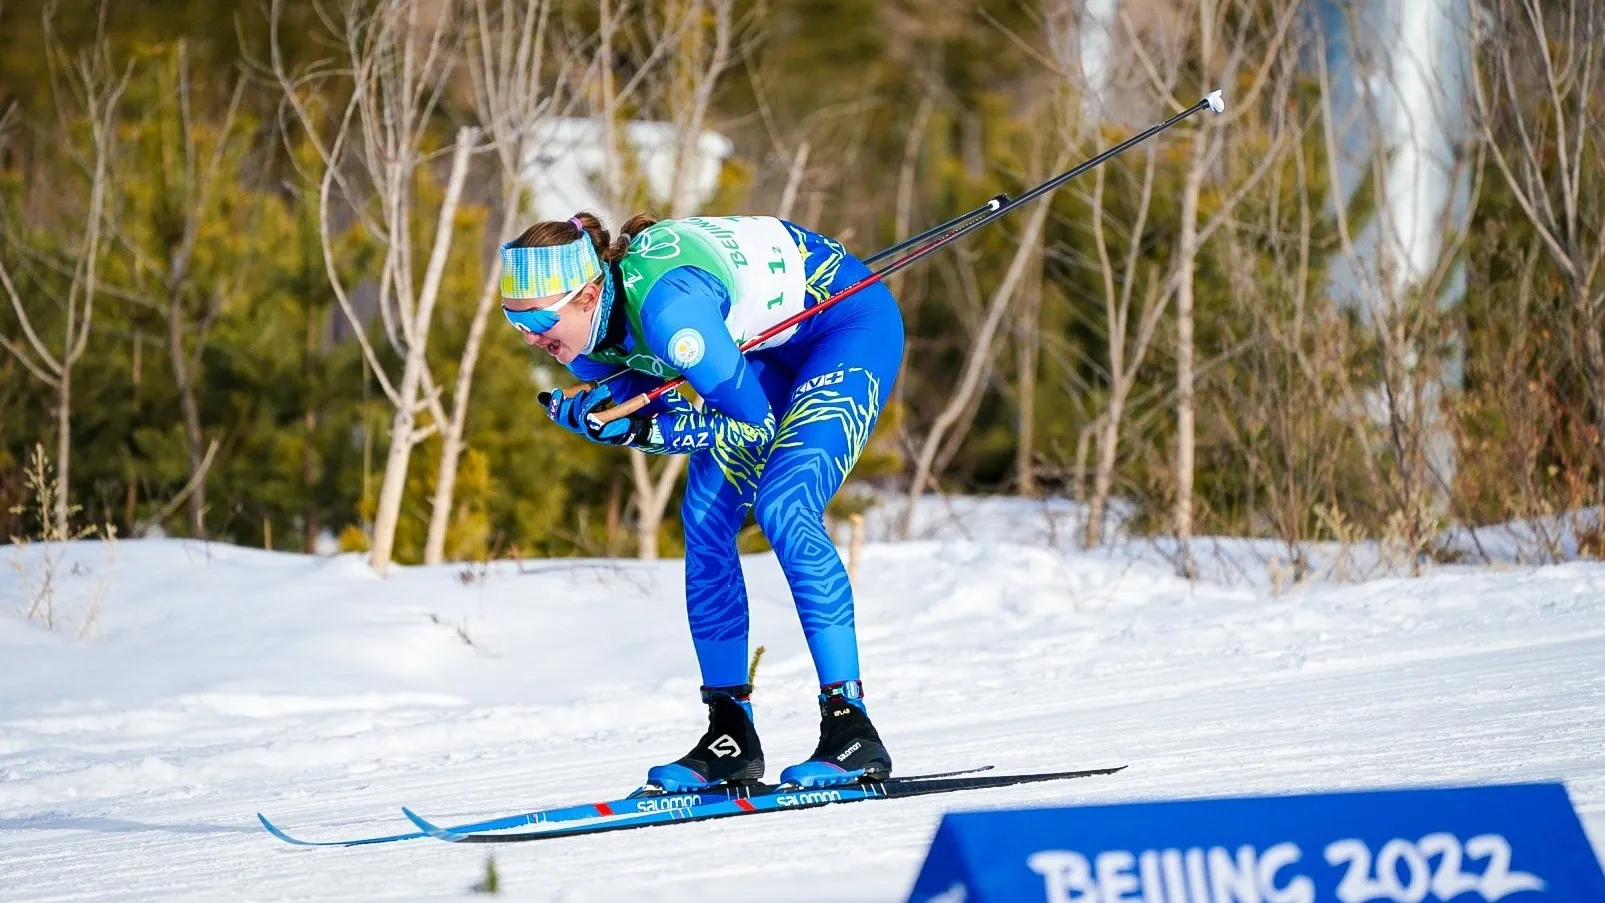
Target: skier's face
(572,331)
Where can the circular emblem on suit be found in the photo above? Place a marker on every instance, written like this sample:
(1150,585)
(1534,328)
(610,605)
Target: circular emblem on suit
(686,347)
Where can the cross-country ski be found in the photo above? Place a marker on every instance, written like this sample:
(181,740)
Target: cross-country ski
(636,803)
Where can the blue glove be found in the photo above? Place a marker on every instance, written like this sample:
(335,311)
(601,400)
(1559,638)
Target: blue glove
(569,412)
(575,414)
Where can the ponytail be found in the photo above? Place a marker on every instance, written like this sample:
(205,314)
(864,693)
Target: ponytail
(632,227)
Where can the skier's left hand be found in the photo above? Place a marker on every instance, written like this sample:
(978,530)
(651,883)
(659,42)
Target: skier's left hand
(576,413)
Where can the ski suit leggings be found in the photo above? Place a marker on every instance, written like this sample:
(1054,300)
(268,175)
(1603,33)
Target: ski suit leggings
(827,389)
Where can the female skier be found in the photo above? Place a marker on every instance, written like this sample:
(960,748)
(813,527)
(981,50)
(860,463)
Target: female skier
(778,432)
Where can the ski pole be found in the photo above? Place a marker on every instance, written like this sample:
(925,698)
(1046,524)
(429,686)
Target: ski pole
(1212,102)
(990,206)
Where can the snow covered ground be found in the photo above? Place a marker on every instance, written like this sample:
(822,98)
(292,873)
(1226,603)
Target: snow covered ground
(225,681)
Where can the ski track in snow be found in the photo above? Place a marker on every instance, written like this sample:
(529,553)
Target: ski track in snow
(230,681)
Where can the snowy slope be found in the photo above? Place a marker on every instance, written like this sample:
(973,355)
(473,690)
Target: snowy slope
(229,680)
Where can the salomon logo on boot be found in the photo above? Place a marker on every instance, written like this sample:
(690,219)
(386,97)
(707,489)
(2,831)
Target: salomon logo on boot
(728,753)
(849,747)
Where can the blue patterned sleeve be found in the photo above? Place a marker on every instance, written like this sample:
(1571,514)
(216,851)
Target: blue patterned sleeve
(683,317)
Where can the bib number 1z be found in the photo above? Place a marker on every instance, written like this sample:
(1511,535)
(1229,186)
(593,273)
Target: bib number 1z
(778,265)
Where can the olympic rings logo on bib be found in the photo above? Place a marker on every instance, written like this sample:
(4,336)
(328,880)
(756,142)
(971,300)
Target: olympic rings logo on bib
(656,244)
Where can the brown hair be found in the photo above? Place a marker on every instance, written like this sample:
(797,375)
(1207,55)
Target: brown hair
(547,233)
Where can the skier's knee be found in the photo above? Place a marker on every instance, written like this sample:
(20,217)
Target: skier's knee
(783,515)
(769,511)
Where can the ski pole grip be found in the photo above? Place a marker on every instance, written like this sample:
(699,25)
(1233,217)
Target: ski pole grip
(624,409)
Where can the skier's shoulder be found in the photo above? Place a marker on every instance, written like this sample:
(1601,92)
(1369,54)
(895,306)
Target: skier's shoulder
(680,295)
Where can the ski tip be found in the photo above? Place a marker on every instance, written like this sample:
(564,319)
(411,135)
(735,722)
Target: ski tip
(274,830)
(432,829)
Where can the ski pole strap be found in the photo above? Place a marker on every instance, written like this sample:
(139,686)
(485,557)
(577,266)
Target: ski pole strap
(739,692)
(847,689)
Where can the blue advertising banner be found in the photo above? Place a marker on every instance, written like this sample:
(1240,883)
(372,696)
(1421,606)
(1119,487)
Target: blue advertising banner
(1515,842)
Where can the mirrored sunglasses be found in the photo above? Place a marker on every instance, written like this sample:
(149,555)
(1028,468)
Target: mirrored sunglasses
(540,320)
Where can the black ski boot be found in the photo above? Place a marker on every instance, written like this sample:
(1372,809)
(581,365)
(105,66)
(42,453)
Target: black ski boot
(729,753)
(849,747)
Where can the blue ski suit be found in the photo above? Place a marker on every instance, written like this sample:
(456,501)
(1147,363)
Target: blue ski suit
(779,431)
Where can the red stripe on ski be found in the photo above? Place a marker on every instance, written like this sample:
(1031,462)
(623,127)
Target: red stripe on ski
(746,804)
(603,808)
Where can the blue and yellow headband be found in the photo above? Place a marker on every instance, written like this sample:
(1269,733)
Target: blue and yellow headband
(538,272)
